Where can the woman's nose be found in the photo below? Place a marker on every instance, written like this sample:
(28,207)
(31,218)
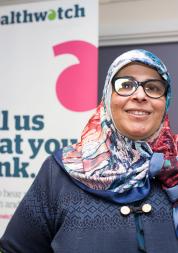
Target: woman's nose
(140,94)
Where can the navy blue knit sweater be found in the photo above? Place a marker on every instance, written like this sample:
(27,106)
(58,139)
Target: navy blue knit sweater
(57,216)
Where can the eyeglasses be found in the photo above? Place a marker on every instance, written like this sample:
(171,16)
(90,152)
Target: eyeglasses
(126,86)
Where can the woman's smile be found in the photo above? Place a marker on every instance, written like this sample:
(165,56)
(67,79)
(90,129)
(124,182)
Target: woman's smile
(137,112)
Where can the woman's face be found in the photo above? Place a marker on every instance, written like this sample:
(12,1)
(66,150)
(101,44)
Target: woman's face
(137,116)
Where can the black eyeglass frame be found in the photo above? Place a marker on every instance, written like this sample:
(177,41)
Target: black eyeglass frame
(164,82)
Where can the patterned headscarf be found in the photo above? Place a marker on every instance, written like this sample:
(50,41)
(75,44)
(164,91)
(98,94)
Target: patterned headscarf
(114,167)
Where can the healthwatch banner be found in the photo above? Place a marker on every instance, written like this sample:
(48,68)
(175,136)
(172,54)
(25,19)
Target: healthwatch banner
(26,16)
(48,84)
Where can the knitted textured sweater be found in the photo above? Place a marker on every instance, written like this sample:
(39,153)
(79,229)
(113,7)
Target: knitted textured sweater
(57,216)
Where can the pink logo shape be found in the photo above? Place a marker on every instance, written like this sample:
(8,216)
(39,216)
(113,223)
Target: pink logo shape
(77,85)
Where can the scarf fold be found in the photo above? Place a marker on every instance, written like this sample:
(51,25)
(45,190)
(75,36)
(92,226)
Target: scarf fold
(106,160)
(112,166)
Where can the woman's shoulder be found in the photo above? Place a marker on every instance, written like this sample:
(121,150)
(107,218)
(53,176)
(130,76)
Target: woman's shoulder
(51,166)
(53,177)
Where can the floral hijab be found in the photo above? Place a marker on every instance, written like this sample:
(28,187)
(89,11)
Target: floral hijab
(110,165)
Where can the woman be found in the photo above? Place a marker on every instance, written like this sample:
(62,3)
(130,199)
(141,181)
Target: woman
(116,190)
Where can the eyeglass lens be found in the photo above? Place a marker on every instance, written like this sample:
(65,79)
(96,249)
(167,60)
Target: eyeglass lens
(126,87)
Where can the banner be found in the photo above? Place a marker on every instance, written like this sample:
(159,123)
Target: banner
(48,83)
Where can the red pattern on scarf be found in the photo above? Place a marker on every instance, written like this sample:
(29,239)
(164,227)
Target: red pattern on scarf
(167,143)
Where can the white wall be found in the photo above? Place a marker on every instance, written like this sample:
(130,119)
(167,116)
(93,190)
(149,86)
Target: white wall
(138,21)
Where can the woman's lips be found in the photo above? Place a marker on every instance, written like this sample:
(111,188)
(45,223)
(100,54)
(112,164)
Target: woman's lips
(138,112)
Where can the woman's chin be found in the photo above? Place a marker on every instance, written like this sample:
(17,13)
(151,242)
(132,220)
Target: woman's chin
(138,134)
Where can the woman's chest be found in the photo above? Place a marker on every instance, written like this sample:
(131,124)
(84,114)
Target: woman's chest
(93,225)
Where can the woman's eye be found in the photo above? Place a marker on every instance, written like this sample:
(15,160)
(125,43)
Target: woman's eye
(153,88)
(127,85)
